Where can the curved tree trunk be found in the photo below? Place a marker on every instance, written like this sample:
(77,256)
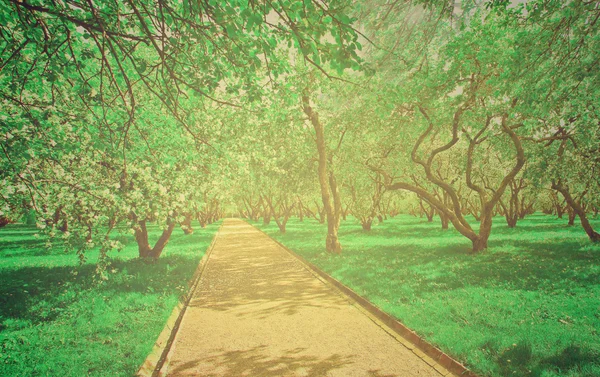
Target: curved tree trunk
(300,210)
(444,220)
(141,236)
(511,221)
(454,209)
(577,209)
(332,206)
(427,212)
(281,212)
(266,217)
(333,219)
(572,215)
(366,223)
(480,244)
(4,221)
(186,224)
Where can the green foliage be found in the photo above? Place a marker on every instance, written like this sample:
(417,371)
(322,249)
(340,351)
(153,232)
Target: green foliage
(111,112)
(120,113)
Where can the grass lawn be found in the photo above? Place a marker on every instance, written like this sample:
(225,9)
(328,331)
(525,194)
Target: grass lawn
(528,306)
(58,319)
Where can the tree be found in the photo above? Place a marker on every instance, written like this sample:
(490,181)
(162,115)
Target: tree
(103,102)
(330,193)
(518,206)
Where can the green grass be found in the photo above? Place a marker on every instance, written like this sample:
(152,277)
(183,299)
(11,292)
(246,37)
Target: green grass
(529,306)
(58,319)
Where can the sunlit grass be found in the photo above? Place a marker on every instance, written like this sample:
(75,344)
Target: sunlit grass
(58,319)
(528,306)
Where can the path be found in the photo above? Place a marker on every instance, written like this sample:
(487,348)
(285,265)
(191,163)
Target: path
(259,312)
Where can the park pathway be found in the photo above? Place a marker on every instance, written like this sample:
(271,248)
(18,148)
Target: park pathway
(257,311)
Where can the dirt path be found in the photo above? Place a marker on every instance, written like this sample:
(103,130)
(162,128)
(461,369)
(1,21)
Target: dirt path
(259,312)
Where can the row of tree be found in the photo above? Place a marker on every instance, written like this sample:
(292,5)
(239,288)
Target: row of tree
(484,110)
(112,112)
(124,113)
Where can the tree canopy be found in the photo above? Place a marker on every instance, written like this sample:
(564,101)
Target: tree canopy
(119,113)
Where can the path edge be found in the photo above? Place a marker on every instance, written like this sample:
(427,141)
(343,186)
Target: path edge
(155,361)
(430,353)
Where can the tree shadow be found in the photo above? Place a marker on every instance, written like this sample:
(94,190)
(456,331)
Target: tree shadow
(521,361)
(41,293)
(406,259)
(430,262)
(23,287)
(258,362)
(516,361)
(436,269)
(19,240)
(571,359)
(260,285)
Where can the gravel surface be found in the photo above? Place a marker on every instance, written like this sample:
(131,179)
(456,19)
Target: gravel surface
(258,311)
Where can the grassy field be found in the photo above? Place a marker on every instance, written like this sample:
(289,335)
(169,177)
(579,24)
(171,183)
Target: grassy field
(58,319)
(528,306)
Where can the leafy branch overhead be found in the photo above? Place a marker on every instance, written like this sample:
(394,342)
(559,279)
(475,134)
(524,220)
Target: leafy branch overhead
(118,51)
(126,113)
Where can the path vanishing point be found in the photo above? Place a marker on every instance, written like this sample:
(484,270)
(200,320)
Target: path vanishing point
(258,311)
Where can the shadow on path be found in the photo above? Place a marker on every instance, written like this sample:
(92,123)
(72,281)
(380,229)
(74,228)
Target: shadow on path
(258,311)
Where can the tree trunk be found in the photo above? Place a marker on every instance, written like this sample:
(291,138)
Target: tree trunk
(63,225)
(321,212)
(56,218)
(282,224)
(266,217)
(476,215)
(162,241)
(300,211)
(578,210)
(366,224)
(525,209)
(509,213)
(480,243)
(4,221)
(444,220)
(332,243)
(559,211)
(186,224)
(332,239)
(571,216)
(511,221)
(428,213)
(282,215)
(141,236)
